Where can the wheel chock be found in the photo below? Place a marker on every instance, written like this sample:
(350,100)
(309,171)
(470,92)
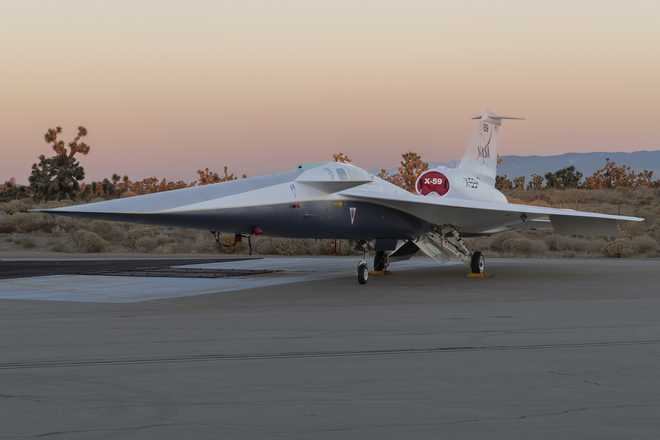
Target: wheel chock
(481,276)
(379,272)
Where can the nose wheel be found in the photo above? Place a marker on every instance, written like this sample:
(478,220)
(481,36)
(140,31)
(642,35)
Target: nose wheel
(362,273)
(363,267)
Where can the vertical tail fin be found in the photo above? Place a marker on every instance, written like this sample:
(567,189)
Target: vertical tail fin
(480,158)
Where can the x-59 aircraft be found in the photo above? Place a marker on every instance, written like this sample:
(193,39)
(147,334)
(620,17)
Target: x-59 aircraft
(342,201)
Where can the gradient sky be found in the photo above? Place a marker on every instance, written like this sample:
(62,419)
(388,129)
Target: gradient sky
(166,87)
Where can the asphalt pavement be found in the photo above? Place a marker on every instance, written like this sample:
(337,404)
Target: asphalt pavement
(541,349)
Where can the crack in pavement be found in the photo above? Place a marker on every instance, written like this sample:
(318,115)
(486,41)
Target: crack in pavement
(106,429)
(210,357)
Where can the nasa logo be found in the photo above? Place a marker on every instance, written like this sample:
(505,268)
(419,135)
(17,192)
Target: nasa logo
(483,146)
(432,182)
(483,152)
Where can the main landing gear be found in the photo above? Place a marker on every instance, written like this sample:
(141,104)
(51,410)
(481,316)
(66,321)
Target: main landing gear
(441,244)
(477,263)
(445,242)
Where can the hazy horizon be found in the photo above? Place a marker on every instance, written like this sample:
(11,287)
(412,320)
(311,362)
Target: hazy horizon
(167,87)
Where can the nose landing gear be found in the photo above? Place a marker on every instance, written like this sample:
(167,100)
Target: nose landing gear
(363,268)
(362,273)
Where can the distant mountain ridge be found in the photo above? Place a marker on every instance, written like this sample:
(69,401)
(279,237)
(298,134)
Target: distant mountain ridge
(586,163)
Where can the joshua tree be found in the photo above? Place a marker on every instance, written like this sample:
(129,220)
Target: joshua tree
(519,183)
(411,167)
(565,178)
(341,157)
(535,183)
(58,177)
(612,175)
(207,176)
(503,183)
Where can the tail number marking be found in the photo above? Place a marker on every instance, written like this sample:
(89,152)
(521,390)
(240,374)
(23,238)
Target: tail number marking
(432,182)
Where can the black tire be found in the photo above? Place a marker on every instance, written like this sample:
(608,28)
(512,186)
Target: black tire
(478,263)
(380,261)
(362,273)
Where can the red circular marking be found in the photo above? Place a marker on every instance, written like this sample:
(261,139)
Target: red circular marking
(432,182)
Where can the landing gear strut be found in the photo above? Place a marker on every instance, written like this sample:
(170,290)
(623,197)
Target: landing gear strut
(363,268)
(381,261)
(445,242)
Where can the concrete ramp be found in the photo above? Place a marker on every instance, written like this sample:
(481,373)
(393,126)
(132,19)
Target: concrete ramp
(109,288)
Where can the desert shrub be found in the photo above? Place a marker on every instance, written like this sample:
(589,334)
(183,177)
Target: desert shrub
(146,244)
(634,229)
(648,213)
(289,246)
(343,247)
(264,246)
(170,248)
(572,198)
(67,224)
(479,243)
(136,233)
(112,232)
(278,246)
(654,232)
(14,206)
(335,247)
(525,246)
(312,246)
(229,245)
(32,222)
(87,241)
(63,246)
(182,234)
(7,225)
(498,241)
(619,248)
(203,245)
(150,243)
(26,243)
(644,244)
(565,244)
(595,245)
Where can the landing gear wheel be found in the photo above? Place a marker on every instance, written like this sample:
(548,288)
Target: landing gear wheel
(362,273)
(478,263)
(380,261)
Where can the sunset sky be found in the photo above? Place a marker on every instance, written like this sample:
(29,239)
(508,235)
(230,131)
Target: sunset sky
(167,87)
